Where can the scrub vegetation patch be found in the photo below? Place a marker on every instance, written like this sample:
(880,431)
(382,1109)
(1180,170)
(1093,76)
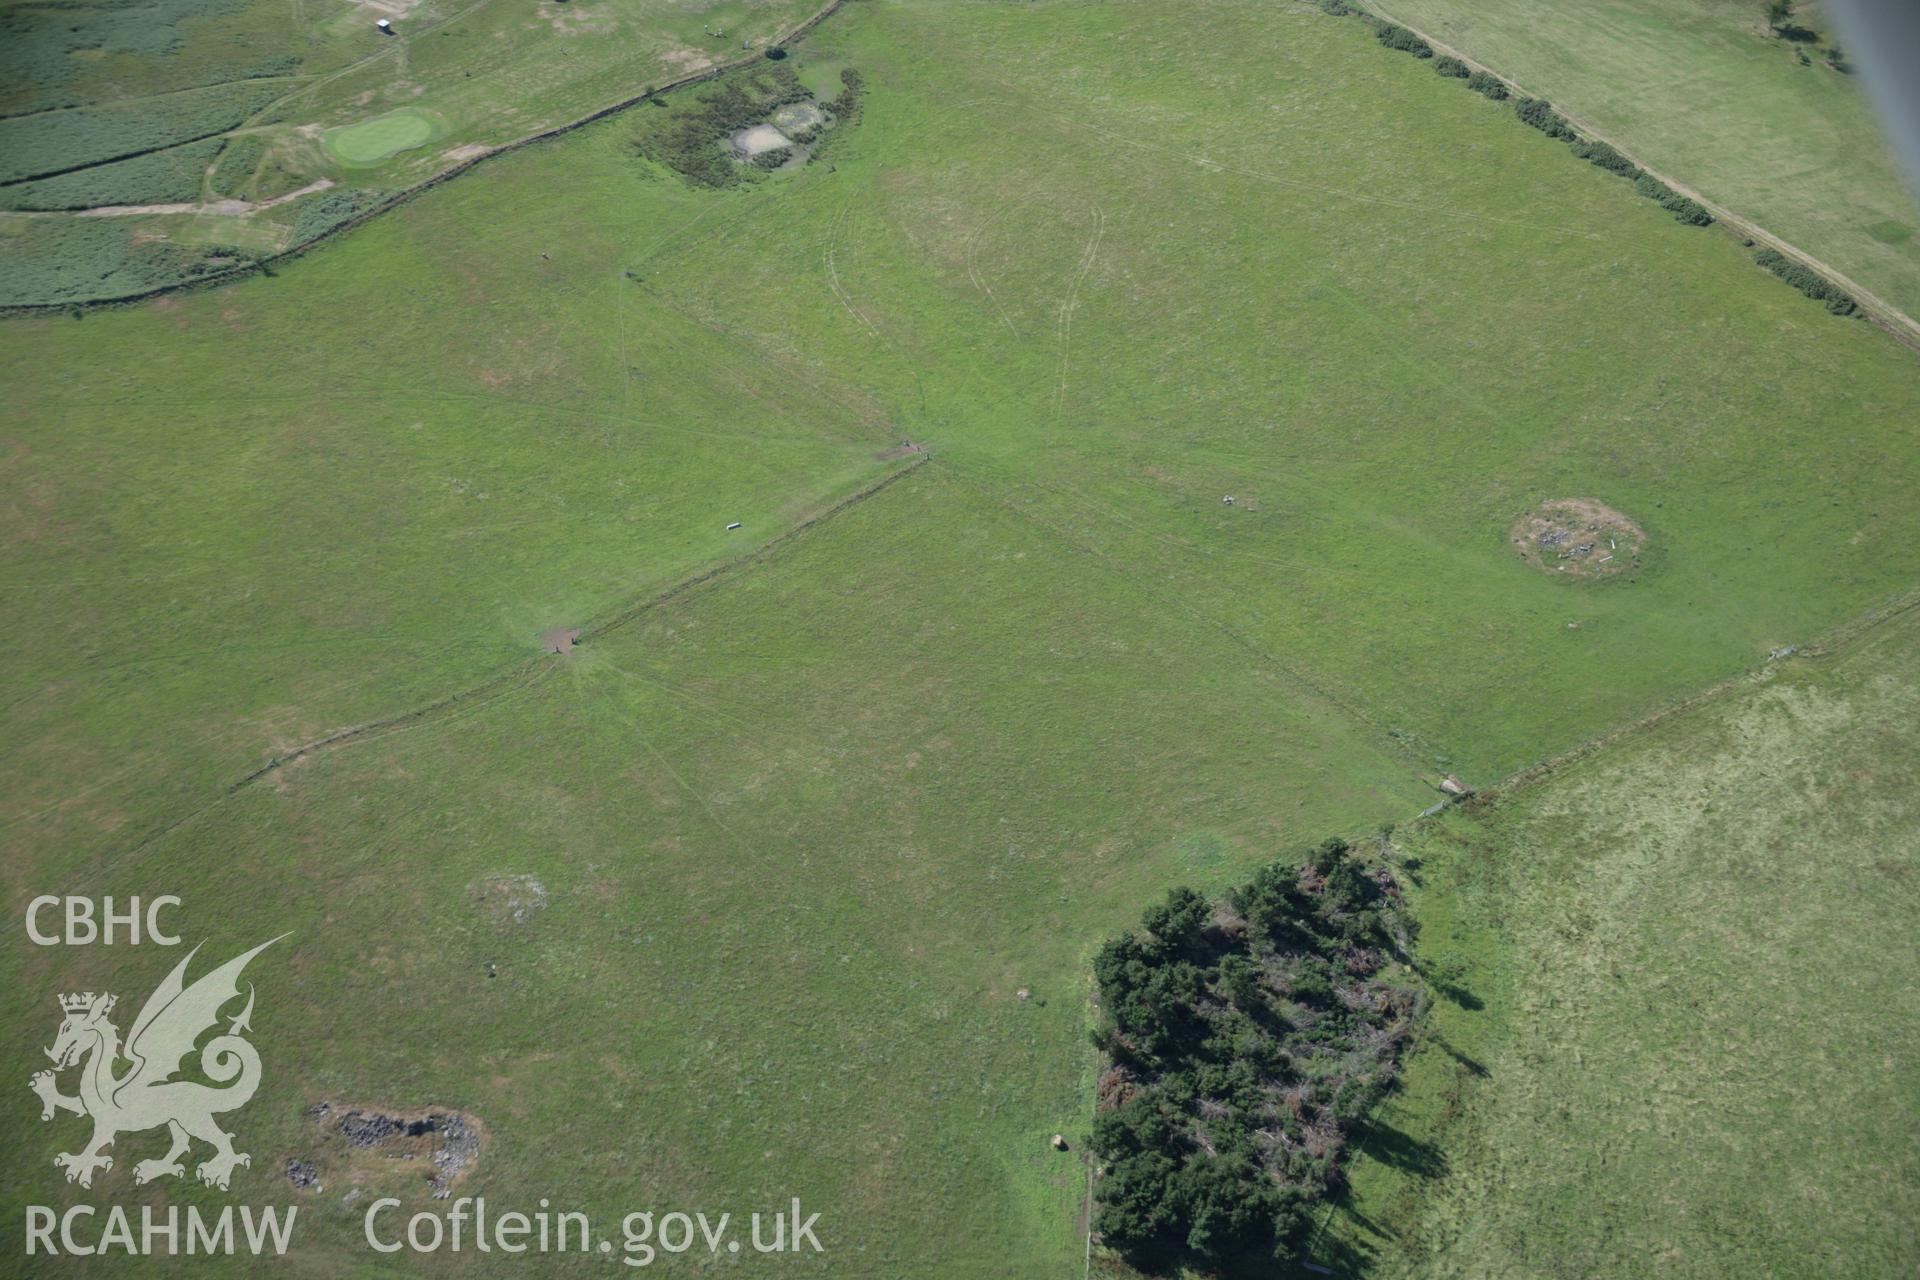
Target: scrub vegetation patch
(1245,1039)
(746,122)
(69,261)
(46,49)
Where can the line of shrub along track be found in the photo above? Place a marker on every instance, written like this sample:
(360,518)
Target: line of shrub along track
(398,198)
(524,673)
(1896,322)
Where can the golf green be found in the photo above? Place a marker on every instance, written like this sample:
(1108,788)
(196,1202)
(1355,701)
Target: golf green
(372,141)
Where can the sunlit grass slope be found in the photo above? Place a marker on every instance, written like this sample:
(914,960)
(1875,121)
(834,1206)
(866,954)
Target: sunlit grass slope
(809,826)
(1687,1043)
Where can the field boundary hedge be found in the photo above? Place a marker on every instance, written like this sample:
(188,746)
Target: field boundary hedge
(1902,327)
(262,265)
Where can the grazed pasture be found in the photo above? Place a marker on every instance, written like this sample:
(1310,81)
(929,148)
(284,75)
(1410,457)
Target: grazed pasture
(809,823)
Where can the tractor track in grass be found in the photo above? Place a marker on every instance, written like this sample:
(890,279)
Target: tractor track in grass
(1063,326)
(970,259)
(1901,326)
(525,673)
(615,621)
(1321,698)
(835,235)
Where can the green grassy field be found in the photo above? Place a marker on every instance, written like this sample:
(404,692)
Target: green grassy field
(1688,1043)
(1702,90)
(810,823)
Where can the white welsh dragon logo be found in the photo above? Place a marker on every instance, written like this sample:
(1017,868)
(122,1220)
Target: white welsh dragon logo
(146,1096)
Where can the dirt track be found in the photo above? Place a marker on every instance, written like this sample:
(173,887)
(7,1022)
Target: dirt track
(226,208)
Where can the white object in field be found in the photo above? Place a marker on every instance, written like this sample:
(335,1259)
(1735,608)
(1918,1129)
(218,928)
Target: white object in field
(733,526)
(385,26)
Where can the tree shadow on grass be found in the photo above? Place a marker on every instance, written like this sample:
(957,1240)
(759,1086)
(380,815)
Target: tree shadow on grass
(1403,1151)
(1473,1065)
(1347,1209)
(1448,989)
(1349,1259)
